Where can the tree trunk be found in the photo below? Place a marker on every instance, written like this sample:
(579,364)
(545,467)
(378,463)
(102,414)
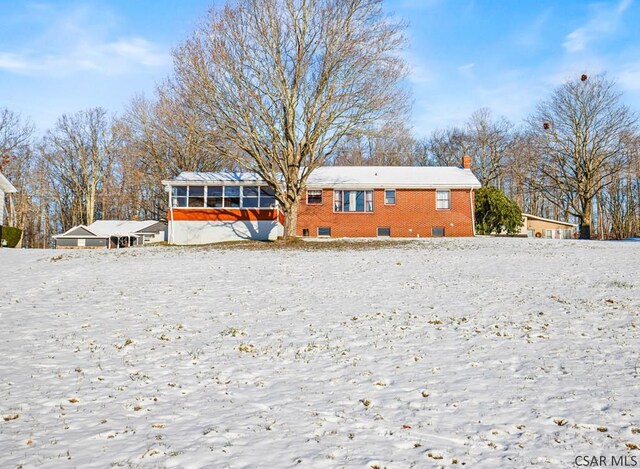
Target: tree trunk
(585,221)
(290,220)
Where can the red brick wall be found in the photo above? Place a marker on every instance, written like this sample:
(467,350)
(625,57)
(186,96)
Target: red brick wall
(413,214)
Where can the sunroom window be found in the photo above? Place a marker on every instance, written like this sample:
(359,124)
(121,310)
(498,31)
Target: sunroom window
(267,197)
(232,196)
(179,196)
(250,196)
(196,196)
(214,196)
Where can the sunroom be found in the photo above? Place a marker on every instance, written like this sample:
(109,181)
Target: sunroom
(212,207)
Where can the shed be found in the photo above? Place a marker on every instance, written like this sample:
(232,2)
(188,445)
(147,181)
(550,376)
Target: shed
(539,227)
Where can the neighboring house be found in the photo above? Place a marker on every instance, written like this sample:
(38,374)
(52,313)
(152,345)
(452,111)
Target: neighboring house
(5,188)
(539,227)
(112,234)
(340,201)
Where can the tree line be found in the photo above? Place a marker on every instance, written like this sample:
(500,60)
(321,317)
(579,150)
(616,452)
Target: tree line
(281,87)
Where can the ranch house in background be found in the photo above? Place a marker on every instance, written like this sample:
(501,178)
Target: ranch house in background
(112,234)
(538,227)
(340,201)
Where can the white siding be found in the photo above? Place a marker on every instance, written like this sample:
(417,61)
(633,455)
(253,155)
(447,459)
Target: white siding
(205,232)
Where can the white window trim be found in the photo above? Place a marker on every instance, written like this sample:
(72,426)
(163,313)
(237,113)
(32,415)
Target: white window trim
(395,196)
(448,191)
(373,205)
(206,197)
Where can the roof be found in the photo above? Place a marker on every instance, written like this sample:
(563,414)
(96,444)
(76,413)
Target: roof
(104,228)
(357,177)
(393,177)
(6,186)
(223,176)
(534,217)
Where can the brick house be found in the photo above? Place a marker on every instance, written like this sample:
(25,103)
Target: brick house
(339,201)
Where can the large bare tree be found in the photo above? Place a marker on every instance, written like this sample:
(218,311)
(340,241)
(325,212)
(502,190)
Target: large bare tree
(78,153)
(163,136)
(286,81)
(581,132)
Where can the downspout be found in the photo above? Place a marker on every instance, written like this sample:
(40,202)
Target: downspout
(171,240)
(473,211)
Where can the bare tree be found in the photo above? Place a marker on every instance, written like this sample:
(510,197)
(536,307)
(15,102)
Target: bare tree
(15,161)
(580,133)
(489,141)
(286,81)
(78,153)
(390,145)
(163,137)
(446,147)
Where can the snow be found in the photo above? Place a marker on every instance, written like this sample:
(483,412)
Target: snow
(112,227)
(392,177)
(484,352)
(355,177)
(190,176)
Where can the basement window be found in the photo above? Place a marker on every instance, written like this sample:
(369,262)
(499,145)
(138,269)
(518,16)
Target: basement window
(384,232)
(324,231)
(437,231)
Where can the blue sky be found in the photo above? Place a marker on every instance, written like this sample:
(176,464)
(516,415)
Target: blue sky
(64,56)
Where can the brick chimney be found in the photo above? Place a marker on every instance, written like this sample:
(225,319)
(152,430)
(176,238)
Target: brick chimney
(466,162)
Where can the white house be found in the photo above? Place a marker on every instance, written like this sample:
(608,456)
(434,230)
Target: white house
(112,234)
(5,188)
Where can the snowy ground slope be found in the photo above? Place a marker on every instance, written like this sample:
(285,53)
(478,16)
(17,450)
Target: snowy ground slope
(484,352)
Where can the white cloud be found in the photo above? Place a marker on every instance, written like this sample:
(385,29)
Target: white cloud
(466,70)
(13,62)
(81,39)
(604,21)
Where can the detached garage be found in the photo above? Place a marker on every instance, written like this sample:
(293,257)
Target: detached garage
(112,234)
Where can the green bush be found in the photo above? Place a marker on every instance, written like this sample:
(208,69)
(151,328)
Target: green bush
(10,236)
(496,213)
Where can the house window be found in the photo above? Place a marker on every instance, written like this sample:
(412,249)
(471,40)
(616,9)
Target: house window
(384,231)
(437,231)
(305,232)
(179,194)
(443,200)
(314,197)
(390,197)
(196,196)
(353,201)
(324,231)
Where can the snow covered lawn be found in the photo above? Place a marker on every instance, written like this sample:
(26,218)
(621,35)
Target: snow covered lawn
(478,352)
